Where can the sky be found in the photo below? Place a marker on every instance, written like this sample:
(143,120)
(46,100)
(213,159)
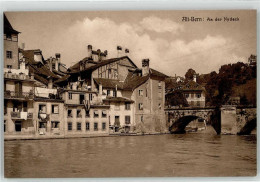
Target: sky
(172,45)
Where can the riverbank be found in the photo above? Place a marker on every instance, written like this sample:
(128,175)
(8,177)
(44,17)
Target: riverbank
(47,137)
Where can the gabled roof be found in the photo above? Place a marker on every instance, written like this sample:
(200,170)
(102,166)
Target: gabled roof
(133,81)
(157,73)
(8,29)
(75,68)
(41,72)
(62,79)
(192,86)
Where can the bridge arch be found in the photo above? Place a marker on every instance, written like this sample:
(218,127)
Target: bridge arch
(179,125)
(248,128)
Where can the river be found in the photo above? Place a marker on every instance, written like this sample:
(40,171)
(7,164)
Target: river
(132,156)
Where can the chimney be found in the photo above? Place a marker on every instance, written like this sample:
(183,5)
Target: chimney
(119,51)
(57,61)
(99,54)
(49,60)
(145,67)
(195,78)
(89,51)
(126,52)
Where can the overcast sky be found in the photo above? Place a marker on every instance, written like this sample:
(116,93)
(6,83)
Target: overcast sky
(172,45)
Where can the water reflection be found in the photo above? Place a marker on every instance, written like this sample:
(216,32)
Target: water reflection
(163,155)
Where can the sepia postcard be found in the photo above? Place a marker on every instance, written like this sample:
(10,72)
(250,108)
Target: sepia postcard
(96,94)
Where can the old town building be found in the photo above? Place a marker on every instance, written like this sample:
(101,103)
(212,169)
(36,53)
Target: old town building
(95,96)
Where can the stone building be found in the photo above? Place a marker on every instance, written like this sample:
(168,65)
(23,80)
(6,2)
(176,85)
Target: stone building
(95,96)
(194,93)
(18,87)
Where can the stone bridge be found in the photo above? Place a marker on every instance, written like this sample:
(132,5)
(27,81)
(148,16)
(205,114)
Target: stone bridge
(239,120)
(179,118)
(226,120)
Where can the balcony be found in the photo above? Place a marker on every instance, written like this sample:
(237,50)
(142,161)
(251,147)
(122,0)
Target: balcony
(18,95)
(21,115)
(20,76)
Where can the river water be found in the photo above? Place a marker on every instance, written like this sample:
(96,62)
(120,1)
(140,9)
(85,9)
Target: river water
(133,156)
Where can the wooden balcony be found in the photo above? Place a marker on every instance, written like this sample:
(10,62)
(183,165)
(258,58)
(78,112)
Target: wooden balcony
(21,77)
(21,115)
(18,95)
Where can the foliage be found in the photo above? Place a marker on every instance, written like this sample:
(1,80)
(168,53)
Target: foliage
(176,98)
(189,74)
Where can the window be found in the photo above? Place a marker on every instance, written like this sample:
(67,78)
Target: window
(42,109)
(198,103)
(192,95)
(103,126)
(142,118)
(108,92)
(70,113)
(87,126)
(96,114)
(55,124)
(186,95)
(9,54)
(9,66)
(159,106)
(198,95)
(69,126)
(140,93)
(104,114)
(114,93)
(53,66)
(18,126)
(78,126)
(55,109)
(42,124)
(127,106)
(70,96)
(79,113)
(95,126)
(87,114)
(140,106)
(117,106)
(127,119)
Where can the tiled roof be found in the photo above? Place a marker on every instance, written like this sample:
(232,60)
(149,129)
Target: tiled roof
(8,29)
(133,81)
(192,85)
(118,99)
(37,67)
(75,68)
(157,73)
(62,79)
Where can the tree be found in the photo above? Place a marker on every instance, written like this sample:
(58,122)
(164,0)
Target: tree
(176,98)
(189,74)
